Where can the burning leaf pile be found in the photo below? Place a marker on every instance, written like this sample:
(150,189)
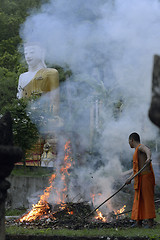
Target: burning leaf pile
(61,215)
(72,216)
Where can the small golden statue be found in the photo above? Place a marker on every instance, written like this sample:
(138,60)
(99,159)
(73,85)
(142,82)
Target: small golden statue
(47,158)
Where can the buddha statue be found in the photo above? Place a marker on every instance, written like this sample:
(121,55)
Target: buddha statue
(39,79)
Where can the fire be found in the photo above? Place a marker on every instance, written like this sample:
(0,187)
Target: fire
(37,211)
(71,212)
(121,210)
(42,208)
(93,196)
(100,216)
(103,219)
(68,162)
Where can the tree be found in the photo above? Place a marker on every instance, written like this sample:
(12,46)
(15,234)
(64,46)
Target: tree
(25,132)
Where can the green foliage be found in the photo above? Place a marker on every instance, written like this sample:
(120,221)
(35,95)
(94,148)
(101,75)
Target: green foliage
(9,61)
(8,87)
(13,13)
(63,74)
(25,132)
(15,212)
(34,171)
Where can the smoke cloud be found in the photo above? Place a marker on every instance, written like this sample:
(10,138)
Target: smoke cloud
(109,47)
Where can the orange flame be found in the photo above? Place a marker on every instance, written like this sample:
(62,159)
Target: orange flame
(64,170)
(100,216)
(121,210)
(93,196)
(42,208)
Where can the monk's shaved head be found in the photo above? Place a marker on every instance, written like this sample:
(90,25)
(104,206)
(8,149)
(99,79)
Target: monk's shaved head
(135,136)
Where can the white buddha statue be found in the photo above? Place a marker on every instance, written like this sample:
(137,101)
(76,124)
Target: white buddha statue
(39,79)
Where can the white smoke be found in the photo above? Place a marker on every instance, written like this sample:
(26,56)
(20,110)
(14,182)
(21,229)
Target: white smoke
(109,46)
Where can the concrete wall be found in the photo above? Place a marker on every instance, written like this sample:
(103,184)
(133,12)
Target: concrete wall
(25,191)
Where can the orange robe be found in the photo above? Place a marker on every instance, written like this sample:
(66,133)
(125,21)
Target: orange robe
(143,204)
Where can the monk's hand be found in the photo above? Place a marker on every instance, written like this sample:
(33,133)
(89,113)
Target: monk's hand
(128,181)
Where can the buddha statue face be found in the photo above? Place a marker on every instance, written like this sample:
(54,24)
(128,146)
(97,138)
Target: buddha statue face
(34,55)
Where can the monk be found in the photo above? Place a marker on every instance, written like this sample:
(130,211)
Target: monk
(143,204)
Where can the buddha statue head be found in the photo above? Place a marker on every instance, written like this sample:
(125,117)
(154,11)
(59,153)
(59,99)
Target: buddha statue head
(34,56)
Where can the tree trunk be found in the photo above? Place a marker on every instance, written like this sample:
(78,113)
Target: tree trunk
(2,220)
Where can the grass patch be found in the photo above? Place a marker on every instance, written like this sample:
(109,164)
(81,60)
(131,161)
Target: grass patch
(129,232)
(31,171)
(15,212)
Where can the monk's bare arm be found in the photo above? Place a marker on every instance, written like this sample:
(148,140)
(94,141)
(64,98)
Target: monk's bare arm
(147,151)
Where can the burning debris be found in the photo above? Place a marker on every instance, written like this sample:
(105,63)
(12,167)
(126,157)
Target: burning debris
(120,211)
(43,209)
(69,215)
(72,216)
(63,212)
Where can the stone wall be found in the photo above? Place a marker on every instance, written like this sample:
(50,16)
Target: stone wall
(25,191)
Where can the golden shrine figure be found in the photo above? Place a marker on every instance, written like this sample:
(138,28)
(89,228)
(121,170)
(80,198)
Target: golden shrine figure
(47,158)
(45,80)
(38,81)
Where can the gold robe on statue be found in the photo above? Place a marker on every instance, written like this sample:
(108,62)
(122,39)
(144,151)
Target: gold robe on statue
(45,80)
